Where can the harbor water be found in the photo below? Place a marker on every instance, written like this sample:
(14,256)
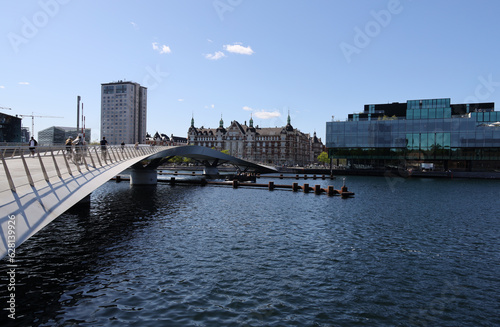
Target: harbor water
(402,252)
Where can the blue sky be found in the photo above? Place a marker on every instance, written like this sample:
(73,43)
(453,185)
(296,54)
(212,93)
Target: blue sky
(207,58)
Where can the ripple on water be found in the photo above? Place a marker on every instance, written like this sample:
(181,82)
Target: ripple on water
(212,256)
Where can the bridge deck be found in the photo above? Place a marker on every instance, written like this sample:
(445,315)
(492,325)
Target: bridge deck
(37,189)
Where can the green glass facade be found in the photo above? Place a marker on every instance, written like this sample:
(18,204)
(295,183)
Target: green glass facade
(428,130)
(57,135)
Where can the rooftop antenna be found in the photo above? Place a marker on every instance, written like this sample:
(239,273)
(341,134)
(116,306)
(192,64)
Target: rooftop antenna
(78,98)
(83,119)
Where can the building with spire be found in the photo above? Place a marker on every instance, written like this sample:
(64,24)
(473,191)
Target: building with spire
(282,146)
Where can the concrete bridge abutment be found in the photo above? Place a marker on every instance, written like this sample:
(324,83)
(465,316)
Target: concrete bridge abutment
(211,171)
(143,177)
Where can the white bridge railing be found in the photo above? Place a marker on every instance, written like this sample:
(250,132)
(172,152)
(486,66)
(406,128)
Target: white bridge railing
(50,160)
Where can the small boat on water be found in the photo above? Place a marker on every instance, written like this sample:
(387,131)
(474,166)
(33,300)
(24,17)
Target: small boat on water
(242,177)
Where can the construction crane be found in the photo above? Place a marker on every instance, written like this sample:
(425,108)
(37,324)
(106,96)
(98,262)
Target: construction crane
(33,121)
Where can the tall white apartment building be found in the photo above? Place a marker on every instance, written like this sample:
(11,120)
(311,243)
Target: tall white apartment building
(123,112)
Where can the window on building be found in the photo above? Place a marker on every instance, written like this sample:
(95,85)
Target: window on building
(409,113)
(121,88)
(108,89)
(447,112)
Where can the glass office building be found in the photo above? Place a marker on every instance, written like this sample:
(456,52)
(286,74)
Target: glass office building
(10,128)
(450,136)
(57,135)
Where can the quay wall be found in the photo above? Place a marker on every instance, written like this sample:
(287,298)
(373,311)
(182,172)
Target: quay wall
(359,172)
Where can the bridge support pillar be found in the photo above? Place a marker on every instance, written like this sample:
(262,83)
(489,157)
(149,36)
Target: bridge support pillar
(211,172)
(85,200)
(143,177)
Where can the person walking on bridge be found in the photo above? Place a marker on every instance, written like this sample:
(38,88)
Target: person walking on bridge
(78,143)
(32,144)
(68,144)
(104,144)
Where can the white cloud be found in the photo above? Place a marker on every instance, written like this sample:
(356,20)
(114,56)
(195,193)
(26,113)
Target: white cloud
(210,40)
(238,48)
(267,114)
(180,100)
(165,49)
(247,108)
(162,49)
(24,83)
(215,56)
(2,87)
(133,24)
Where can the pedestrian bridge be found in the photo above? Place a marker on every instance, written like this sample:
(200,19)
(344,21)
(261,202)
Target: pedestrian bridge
(35,188)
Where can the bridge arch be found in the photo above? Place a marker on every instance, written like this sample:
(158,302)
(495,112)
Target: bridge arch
(211,159)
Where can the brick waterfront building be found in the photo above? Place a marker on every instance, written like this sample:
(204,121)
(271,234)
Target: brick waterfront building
(281,146)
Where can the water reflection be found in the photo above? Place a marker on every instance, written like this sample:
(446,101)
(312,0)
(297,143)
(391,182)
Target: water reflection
(212,256)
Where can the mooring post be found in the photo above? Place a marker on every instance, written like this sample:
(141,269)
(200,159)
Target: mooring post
(306,188)
(295,187)
(172,180)
(235,183)
(271,186)
(305,177)
(343,188)
(323,176)
(281,176)
(314,176)
(118,178)
(331,190)
(317,189)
